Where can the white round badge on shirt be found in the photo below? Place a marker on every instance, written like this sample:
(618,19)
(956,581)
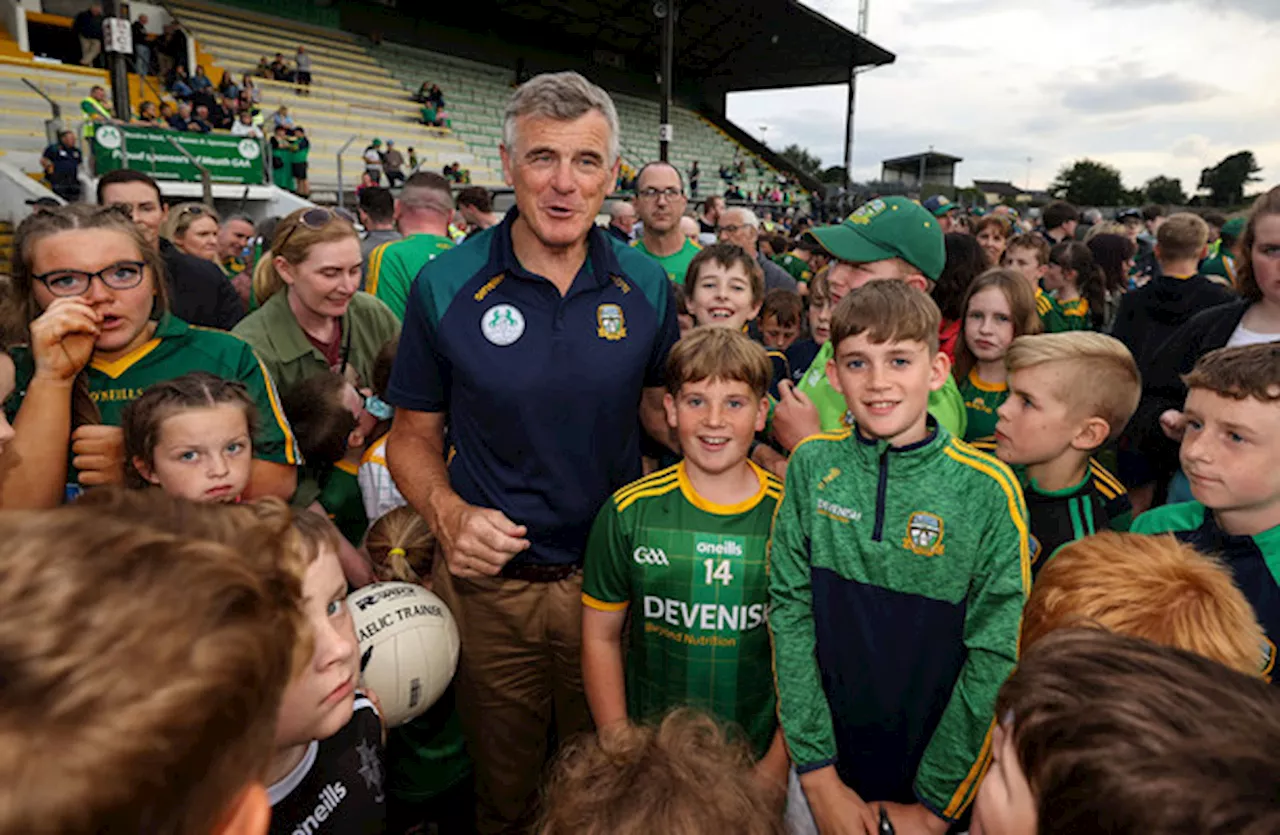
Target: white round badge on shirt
(502,324)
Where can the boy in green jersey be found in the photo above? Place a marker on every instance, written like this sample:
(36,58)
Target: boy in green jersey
(889,238)
(684,551)
(1231,455)
(1069,393)
(897,575)
(1028,254)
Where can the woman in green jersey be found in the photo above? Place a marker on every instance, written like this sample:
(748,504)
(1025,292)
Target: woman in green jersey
(99,334)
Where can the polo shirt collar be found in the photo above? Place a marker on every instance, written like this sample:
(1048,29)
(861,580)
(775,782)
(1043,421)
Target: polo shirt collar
(601,262)
(287,338)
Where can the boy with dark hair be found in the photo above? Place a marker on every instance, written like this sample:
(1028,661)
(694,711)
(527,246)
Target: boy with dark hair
(1028,255)
(780,318)
(1231,456)
(802,262)
(1060,220)
(1069,394)
(683,550)
(1129,584)
(893,526)
(1106,733)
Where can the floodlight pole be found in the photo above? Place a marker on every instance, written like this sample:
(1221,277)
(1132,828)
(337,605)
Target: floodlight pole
(848,125)
(666,9)
(117,61)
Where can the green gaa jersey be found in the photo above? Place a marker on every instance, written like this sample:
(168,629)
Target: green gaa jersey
(797,267)
(176,349)
(394,265)
(341,499)
(1051,313)
(676,264)
(1075,314)
(981,399)
(693,574)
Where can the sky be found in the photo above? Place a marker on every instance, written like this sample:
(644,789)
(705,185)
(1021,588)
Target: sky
(1152,87)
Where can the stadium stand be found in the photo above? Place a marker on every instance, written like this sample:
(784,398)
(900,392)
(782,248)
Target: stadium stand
(475,94)
(351,94)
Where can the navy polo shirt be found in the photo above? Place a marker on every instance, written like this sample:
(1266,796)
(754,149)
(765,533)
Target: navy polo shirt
(66,162)
(542,391)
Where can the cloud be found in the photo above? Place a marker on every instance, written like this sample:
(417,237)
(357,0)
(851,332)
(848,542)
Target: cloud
(1120,92)
(1264,9)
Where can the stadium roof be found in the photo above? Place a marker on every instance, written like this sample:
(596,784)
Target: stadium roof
(735,45)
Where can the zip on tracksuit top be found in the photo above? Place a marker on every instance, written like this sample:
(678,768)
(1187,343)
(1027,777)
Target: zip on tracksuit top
(897,578)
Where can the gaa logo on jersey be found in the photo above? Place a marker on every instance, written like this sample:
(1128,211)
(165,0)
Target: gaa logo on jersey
(612,325)
(924,534)
(644,555)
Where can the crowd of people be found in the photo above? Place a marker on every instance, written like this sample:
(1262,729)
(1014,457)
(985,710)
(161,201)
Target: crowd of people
(913,522)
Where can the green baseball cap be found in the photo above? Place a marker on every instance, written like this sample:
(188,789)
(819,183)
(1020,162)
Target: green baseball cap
(1234,227)
(884,228)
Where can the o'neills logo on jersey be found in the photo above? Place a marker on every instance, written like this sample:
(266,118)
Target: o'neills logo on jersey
(327,803)
(727,548)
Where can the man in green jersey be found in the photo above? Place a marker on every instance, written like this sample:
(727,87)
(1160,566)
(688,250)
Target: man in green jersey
(802,262)
(684,550)
(660,202)
(889,238)
(423,213)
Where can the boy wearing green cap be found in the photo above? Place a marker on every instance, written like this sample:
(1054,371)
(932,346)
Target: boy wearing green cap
(890,238)
(1223,262)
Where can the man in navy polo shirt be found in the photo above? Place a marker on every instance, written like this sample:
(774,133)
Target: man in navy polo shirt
(61,162)
(536,343)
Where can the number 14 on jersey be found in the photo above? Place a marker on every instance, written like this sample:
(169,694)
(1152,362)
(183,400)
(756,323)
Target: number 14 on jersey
(718,570)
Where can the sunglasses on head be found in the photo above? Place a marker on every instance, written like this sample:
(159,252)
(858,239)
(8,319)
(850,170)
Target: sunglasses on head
(315,219)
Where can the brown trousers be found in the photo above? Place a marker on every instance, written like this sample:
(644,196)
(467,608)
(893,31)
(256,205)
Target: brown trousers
(519,685)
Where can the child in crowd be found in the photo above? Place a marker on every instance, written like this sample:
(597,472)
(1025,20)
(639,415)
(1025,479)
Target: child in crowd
(191,436)
(1029,255)
(428,770)
(95,300)
(682,308)
(1231,456)
(997,309)
(1078,284)
(1149,587)
(801,353)
(334,426)
(691,539)
(992,233)
(147,642)
(1149,315)
(725,287)
(780,318)
(887,239)
(893,526)
(377,487)
(1106,733)
(682,776)
(1069,393)
(327,772)
(8,374)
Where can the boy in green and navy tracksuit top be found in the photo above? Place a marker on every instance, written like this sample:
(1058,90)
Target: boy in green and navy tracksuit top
(1231,456)
(1069,394)
(898,573)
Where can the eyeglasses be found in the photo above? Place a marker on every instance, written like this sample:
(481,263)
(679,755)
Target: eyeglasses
(731,228)
(122,275)
(655,193)
(315,219)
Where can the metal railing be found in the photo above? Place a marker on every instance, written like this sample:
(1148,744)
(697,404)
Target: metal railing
(53,124)
(206,181)
(341,151)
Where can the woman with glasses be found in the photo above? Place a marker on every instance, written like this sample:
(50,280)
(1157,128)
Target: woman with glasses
(312,317)
(100,333)
(193,228)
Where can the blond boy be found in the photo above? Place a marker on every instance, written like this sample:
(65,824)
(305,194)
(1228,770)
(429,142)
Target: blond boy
(1069,393)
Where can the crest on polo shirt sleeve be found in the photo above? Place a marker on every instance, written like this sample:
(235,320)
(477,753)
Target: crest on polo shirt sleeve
(924,534)
(612,325)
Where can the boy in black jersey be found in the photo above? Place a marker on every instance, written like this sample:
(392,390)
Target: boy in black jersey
(327,774)
(1069,393)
